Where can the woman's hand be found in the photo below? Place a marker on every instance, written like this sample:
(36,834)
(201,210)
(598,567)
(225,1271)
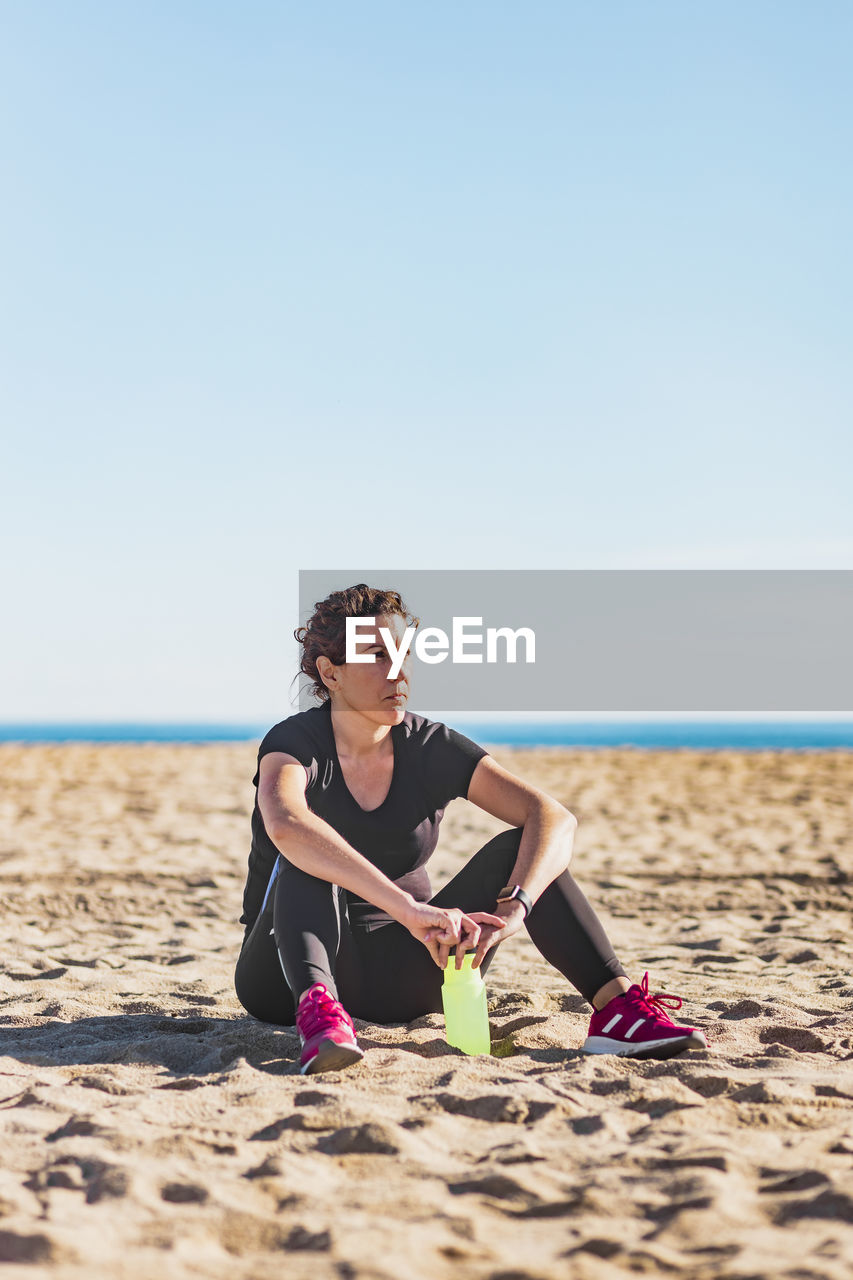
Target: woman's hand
(442,928)
(508,919)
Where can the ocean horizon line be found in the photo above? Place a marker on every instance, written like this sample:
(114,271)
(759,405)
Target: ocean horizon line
(708,733)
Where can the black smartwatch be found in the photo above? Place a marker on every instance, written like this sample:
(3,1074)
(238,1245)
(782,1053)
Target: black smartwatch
(515,891)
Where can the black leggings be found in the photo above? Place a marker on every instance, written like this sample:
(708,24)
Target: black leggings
(303,935)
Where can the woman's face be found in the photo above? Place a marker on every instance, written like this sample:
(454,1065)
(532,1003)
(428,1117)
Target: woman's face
(368,687)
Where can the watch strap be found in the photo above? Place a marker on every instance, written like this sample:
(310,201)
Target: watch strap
(514,892)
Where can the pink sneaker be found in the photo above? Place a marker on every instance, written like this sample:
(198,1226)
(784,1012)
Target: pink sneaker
(326,1033)
(636,1025)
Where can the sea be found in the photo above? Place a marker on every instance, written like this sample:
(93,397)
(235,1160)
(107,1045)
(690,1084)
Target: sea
(651,735)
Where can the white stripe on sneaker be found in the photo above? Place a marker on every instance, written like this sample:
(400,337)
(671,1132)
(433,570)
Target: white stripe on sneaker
(631,1031)
(611,1024)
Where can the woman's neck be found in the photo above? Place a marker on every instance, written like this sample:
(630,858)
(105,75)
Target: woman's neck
(356,736)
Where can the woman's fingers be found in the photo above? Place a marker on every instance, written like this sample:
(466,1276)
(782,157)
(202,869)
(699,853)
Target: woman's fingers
(485,917)
(454,929)
(487,940)
(470,935)
(454,935)
(450,929)
(490,927)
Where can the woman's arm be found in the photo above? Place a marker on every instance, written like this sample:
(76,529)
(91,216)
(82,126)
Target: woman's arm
(548,828)
(316,848)
(545,848)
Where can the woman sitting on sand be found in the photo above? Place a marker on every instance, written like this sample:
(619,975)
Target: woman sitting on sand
(337,907)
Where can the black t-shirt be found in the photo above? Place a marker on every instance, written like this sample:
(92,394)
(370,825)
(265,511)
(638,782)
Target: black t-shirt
(432,765)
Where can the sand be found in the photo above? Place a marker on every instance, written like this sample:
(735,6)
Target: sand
(151,1129)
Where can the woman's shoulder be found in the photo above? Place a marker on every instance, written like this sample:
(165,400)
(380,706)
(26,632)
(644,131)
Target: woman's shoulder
(435,734)
(305,735)
(313,723)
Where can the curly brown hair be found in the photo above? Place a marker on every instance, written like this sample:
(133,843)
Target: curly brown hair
(325,633)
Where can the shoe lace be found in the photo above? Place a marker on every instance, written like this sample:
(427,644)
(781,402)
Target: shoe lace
(659,1002)
(319,1010)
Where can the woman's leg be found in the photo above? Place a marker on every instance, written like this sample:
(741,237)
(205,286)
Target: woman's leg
(300,937)
(312,933)
(401,981)
(562,924)
(258,979)
(386,975)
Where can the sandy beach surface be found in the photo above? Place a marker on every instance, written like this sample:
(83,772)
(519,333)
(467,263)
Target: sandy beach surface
(151,1129)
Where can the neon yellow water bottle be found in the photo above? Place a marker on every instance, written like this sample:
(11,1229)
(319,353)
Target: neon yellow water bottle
(466,1014)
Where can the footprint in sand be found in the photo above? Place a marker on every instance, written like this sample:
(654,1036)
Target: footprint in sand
(362,1139)
(30,1247)
(112,1183)
(800,1039)
(184,1026)
(774,1092)
(512,1153)
(313,1098)
(707,1086)
(41,975)
(241,1233)
(498,1186)
(500,1108)
(322,1120)
(740,1009)
(99,1180)
(300,1239)
(27,1098)
(503,1029)
(599,1247)
(701,1160)
(324,1117)
(786,1180)
(183,1193)
(269,1168)
(78,1127)
(828,1204)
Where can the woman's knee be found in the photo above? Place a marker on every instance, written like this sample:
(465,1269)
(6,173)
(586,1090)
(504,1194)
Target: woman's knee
(259,983)
(271,1002)
(301,902)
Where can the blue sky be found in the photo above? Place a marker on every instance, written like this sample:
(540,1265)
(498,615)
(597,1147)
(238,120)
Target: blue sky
(479,285)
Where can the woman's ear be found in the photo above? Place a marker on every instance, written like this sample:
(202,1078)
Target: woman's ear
(328,672)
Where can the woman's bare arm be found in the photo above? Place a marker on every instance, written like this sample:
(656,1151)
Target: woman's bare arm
(548,827)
